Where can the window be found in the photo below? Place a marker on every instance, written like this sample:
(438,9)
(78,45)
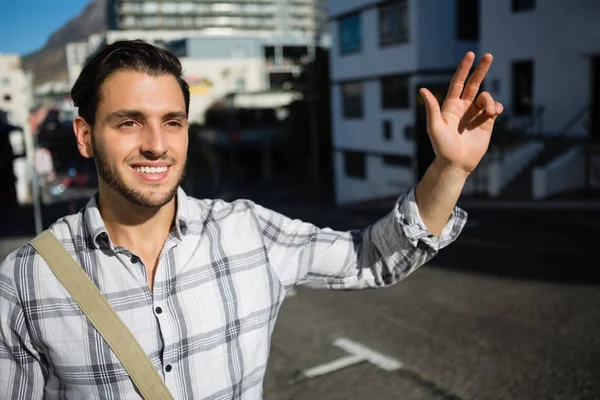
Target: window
(523,5)
(393,23)
(170,8)
(394,91)
(355,164)
(397,160)
(150,8)
(350,34)
(467,19)
(240,85)
(387,130)
(352,104)
(522,80)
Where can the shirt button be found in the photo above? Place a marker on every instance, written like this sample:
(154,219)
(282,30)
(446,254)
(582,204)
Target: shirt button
(135,259)
(168,368)
(158,310)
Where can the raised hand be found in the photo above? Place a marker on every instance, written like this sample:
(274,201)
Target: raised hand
(461,130)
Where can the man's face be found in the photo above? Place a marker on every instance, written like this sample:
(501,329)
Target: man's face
(140,137)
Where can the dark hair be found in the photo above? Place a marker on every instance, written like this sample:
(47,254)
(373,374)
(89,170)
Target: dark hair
(125,55)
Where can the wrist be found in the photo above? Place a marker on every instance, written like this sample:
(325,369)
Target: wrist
(447,171)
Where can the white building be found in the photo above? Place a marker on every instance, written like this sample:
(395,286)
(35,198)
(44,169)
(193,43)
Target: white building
(546,60)
(16,100)
(547,72)
(15,89)
(382,53)
(214,66)
(77,53)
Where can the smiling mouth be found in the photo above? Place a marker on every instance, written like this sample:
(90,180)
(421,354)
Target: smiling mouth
(151,170)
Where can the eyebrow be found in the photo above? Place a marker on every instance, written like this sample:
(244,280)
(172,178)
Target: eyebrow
(135,114)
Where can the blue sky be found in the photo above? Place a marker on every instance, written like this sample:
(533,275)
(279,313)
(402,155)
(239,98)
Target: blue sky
(25,25)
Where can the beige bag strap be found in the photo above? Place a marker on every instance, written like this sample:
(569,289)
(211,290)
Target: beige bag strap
(102,316)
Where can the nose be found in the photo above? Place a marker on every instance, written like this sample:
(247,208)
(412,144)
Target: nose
(154,141)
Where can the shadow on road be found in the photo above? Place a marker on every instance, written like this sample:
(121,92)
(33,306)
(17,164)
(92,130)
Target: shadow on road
(520,244)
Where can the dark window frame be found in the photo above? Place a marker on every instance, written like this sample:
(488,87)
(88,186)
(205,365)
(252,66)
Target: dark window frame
(355,164)
(347,106)
(522,70)
(387,100)
(346,19)
(397,160)
(386,15)
(521,6)
(387,130)
(467,12)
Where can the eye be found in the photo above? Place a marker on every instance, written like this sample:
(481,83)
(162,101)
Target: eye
(174,123)
(127,124)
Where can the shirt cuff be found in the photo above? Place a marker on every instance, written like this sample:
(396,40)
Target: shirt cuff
(414,229)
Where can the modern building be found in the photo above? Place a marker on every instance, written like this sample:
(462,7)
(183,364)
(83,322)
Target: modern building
(381,54)
(300,17)
(547,63)
(288,32)
(547,72)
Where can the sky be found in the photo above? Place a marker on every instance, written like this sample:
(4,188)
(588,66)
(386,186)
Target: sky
(25,25)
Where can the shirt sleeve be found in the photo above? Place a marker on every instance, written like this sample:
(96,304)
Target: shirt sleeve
(378,256)
(21,375)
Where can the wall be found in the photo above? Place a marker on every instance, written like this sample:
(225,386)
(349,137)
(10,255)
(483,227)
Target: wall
(559,35)
(383,181)
(204,94)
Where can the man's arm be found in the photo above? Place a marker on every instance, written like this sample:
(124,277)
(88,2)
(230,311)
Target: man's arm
(378,256)
(21,375)
(437,194)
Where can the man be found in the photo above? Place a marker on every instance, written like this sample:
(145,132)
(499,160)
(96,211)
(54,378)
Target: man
(200,282)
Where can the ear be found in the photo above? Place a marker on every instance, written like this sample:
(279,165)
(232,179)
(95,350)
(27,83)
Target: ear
(83,135)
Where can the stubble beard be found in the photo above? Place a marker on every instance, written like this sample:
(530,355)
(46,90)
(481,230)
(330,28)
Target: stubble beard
(114,180)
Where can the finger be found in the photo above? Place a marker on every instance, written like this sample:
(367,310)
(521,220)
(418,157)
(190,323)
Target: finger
(474,82)
(432,107)
(499,108)
(457,83)
(485,102)
(482,118)
(479,121)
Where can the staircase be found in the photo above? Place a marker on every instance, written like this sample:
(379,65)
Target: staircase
(520,188)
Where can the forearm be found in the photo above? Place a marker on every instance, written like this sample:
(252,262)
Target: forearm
(437,194)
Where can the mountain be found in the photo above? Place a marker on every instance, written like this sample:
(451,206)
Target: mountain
(50,62)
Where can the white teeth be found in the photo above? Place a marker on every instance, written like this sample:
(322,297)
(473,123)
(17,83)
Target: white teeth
(151,170)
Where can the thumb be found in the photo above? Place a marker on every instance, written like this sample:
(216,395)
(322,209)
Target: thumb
(432,107)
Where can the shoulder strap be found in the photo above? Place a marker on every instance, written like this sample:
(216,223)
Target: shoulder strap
(102,316)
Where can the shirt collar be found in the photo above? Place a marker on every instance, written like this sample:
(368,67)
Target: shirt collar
(97,229)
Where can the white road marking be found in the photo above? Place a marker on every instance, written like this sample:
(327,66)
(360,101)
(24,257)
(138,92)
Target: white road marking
(358,353)
(372,356)
(331,366)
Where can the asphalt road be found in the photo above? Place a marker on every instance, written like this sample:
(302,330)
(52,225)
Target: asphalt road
(511,310)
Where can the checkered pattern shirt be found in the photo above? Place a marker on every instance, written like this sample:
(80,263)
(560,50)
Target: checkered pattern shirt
(221,278)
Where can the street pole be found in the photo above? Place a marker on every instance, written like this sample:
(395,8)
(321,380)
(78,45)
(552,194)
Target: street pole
(35,190)
(312,118)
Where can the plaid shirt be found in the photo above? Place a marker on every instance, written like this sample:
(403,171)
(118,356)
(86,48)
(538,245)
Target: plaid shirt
(221,279)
